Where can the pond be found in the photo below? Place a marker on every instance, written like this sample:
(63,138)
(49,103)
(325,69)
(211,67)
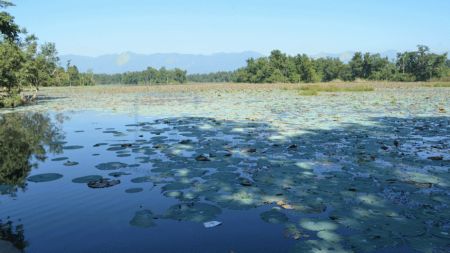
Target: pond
(259,171)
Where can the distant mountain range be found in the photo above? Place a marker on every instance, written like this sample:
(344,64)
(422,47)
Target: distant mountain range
(193,63)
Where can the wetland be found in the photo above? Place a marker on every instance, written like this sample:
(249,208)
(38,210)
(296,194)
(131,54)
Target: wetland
(147,169)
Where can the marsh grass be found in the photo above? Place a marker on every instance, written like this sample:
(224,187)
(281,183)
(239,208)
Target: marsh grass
(438,85)
(336,88)
(226,88)
(308,93)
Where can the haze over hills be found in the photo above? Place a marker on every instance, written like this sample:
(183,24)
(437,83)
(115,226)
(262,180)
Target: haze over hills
(193,63)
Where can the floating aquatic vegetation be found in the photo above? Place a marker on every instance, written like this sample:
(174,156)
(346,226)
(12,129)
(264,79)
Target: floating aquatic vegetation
(197,212)
(100,144)
(103,183)
(111,166)
(45,177)
(143,219)
(70,163)
(118,174)
(291,231)
(60,159)
(144,179)
(202,158)
(133,190)
(319,225)
(371,169)
(274,216)
(176,186)
(117,148)
(86,179)
(72,147)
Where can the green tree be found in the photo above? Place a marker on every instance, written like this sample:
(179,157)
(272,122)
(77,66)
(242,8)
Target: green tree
(10,65)
(357,65)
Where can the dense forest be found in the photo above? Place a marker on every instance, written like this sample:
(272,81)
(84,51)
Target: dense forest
(26,64)
(420,65)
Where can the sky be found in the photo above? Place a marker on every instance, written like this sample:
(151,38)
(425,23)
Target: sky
(96,27)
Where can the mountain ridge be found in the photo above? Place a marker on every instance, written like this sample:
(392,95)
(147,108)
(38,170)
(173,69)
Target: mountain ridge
(192,63)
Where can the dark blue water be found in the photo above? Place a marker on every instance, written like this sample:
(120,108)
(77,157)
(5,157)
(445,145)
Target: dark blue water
(62,216)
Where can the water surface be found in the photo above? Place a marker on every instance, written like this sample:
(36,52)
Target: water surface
(342,173)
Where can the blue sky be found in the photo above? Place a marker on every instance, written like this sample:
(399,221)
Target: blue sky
(94,27)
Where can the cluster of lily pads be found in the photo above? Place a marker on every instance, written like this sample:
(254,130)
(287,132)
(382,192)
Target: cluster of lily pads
(357,188)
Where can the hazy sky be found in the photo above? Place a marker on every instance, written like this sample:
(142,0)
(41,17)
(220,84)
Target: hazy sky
(94,27)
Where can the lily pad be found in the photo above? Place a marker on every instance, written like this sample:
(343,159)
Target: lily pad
(73,147)
(57,159)
(197,212)
(318,225)
(70,163)
(143,219)
(139,180)
(111,166)
(133,190)
(86,179)
(274,216)
(118,174)
(46,177)
(103,183)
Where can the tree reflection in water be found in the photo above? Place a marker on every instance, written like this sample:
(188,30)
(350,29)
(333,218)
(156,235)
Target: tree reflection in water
(24,137)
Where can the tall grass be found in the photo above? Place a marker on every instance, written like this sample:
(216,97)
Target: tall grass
(438,85)
(336,88)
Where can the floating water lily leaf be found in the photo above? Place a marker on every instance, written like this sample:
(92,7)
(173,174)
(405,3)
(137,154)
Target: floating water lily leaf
(291,231)
(118,174)
(133,190)
(70,163)
(46,177)
(139,180)
(86,179)
(117,148)
(143,219)
(329,236)
(103,183)
(318,225)
(197,212)
(100,144)
(321,246)
(111,166)
(176,186)
(173,194)
(73,147)
(274,216)
(57,159)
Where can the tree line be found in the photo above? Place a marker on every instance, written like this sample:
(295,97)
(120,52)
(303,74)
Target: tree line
(419,65)
(24,63)
(148,76)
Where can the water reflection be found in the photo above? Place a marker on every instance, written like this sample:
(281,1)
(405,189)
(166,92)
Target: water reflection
(12,237)
(24,138)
